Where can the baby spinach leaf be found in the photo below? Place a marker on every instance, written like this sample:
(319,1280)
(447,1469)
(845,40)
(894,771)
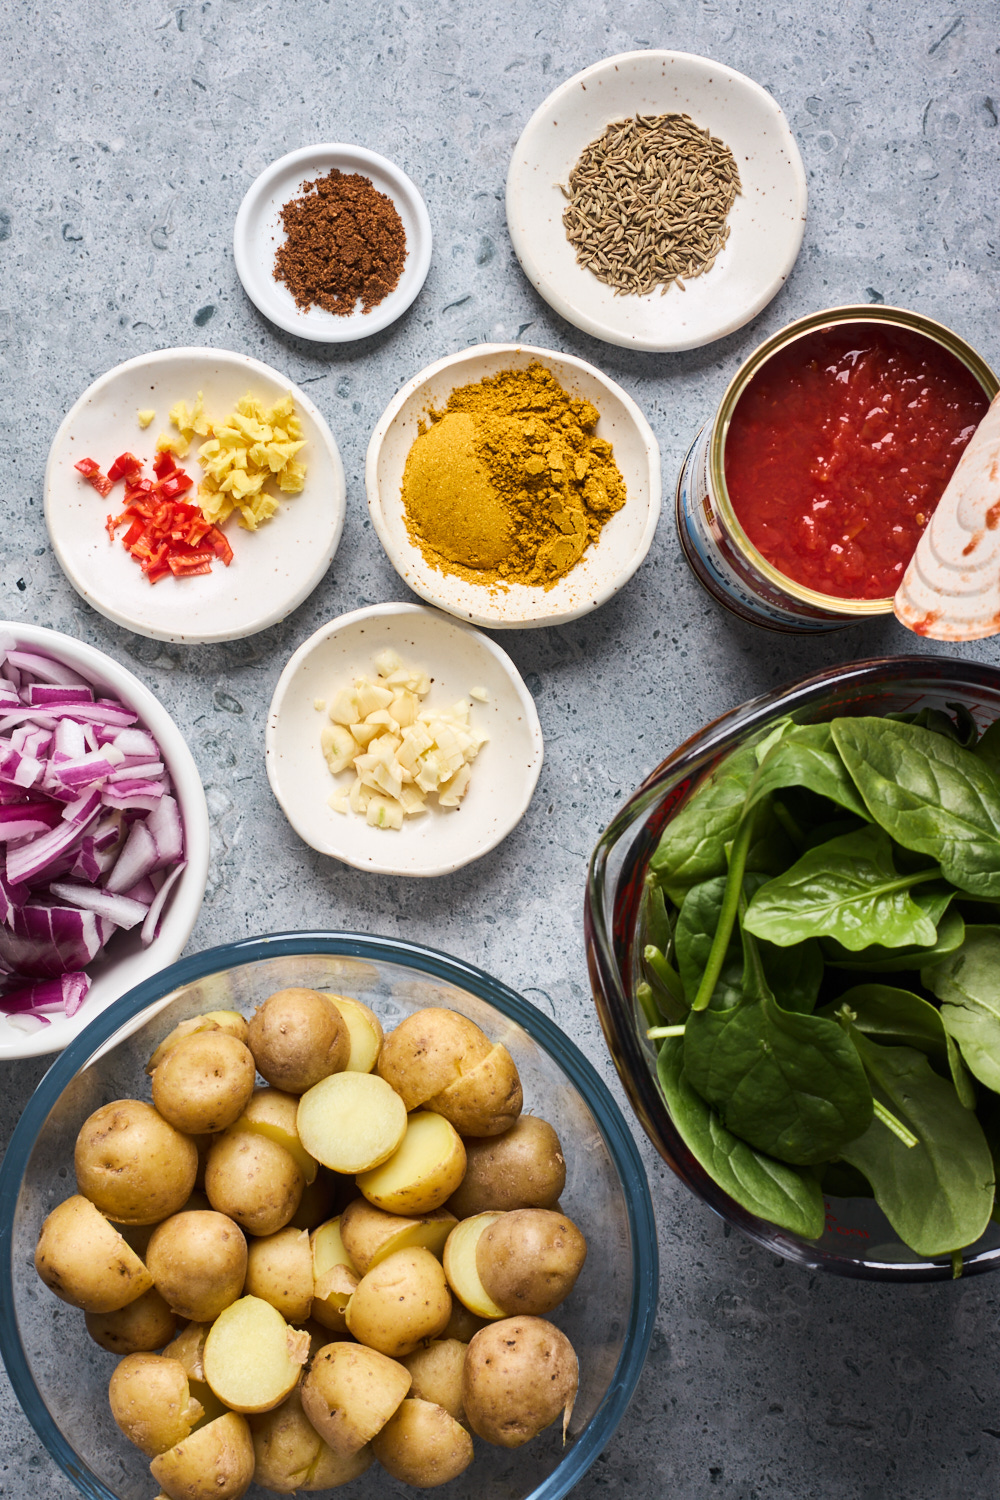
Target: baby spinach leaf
(967,983)
(791,1085)
(962,728)
(794,974)
(806,756)
(848,889)
(880,960)
(930,794)
(896,1017)
(937,1195)
(770,1189)
(988,748)
(693,844)
(838,1180)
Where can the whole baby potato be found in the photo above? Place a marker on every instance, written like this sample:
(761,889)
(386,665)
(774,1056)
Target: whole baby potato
(350,1392)
(280,1271)
(151,1401)
(253,1180)
(273,1113)
(519,1375)
(198,1261)
(400,1303)
(290,1455)
(132,1164)
(297,1037)
(204,1082)
(436,1372)
(214,1463)
(522,1168)
(486,1100)
(86,1262)
(428,1051)
(423,1445)
(137,1328)
(528,1260)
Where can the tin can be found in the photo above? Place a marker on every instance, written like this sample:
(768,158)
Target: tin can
(718,550)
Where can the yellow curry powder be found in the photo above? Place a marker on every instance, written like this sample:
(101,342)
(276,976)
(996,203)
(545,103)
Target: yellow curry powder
(509,484)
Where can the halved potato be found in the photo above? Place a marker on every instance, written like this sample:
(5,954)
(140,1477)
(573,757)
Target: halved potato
(351,1122)
(290,1454)
(85,1261)
(461,1270)
(214,1463)
(334,1276)
(486,1100)
(370,1234)
(423,1445)
(529,1259)
(400,1303)
(429,1050)
(349,1394)
(280,1270)
(151,1401)
(436,1372)
(252,1358)
(365,1030)
(422,1172)
(273,1113)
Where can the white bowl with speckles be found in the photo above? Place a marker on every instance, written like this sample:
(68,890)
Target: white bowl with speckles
(457,659)
(766,222)
(607,564)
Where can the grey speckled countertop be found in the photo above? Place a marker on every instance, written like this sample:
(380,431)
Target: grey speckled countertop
(131,132)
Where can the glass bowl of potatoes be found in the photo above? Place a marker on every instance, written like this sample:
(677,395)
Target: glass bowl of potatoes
(318,1210)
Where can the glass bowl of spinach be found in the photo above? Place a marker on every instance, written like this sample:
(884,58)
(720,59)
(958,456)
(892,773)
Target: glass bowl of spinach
(793,933)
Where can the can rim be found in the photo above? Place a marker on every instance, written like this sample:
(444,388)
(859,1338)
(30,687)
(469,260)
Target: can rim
(850,313)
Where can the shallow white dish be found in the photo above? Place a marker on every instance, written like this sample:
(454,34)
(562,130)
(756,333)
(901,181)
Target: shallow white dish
(259,232)
(125,962)
(272,570)
(457,659)
(766,222)
(605,566)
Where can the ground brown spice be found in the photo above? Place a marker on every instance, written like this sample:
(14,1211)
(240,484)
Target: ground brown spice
(345,243)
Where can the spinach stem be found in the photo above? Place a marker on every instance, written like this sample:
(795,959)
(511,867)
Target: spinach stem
(789,824)
(956,1264)
(896,1126)
(650,1009)
(655,1032)
(665,972)
(727,915)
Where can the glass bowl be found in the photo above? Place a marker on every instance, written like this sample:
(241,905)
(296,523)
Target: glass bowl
(858,1240)
(60,1376)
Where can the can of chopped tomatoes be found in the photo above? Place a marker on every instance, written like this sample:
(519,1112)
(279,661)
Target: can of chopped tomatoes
(800,504)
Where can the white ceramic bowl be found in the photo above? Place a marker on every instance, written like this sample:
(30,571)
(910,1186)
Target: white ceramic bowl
(272,570)
(605,567)
(125,962)
(259,232)
(457,659)
(766,222)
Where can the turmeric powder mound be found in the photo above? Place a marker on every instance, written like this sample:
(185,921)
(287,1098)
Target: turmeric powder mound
(509,484)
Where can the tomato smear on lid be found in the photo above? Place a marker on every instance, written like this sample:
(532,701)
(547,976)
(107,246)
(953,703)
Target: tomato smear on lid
(166,536)
(840,448)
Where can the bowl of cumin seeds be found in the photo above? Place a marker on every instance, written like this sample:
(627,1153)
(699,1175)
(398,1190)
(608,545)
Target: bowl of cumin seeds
(657,200)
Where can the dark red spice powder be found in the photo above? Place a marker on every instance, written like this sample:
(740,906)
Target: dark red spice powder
(345,243)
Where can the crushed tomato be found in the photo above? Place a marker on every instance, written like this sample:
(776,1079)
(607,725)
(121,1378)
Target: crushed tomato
(165,535)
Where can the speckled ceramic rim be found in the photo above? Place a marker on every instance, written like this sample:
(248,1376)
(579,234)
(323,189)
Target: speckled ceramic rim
(608,1117)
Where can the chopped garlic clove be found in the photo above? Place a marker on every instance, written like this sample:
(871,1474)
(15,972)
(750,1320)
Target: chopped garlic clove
(387,661)
(450,793)
(319,704)
(480,694)
(384,814)
(338,746)
(145,418)
(344,708)
(370,697)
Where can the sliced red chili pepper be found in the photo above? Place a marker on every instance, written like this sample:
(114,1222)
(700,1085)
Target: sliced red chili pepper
(124,466)
(220,546)
(88,466)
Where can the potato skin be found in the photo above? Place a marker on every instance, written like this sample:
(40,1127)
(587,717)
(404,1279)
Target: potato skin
(214,1463)
(280,1270)
(86,1262)
(423,1445)
(198,1261)
(522,1168)
(204,1082)
(253,1180)
(369,1232)
(132,1164)
(151,1402)
(486,1100)
(400,1303)
(297,1038)
(519,1374)
(436,1372)
(137,1328)
(349,1394)
(286,1445)
(429,1050)
(528,1260)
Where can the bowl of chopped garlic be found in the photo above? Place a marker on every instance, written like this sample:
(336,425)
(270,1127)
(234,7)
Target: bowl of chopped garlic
(402,741)
(245,465)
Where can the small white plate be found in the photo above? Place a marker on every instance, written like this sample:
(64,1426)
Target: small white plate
(766,222)
(605,567)
(259,232)
(272,570)
(457,659)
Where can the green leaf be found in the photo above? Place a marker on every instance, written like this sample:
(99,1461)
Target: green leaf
(659,922)
(847,889)
(930,794)
(806,756)
(790,1085)
(937,1195)
(879,960)
(770,1189)
(692,847)
(896,1017)
(962,728)
(967,983)
(794,974)
(988,748)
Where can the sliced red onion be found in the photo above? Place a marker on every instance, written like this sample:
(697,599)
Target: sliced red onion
(137,771)
(44,668)
(136,742)
(25,820)
(80,810)
(29,1021)
(12,897)
(69,742)
(144,890)
(164,823)
(118,909)
(46,941)
(64,994)
(139,856)
(151,926)
(96,765)
(43,694)
(27,862)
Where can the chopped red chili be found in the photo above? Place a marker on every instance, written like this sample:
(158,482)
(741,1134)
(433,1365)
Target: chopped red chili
(91,471)
(165,535)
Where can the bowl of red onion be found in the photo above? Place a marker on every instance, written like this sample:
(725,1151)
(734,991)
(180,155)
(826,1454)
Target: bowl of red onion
(103,837)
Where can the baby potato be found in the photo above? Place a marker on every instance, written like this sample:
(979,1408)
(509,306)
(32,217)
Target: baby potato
(252,1358)
(400,1303)
(351,1121)
(253,1180)
(519,1375)
(436,1372)
(365,1032)
(334,1276)
(137,1328)
(461,1269)
(198,1261)
(424,1170)
(423,1445)
(297,1037)
(429,1050)
(85,1261)
(151,1402)
(204,1082)
(370,1234)
(349,1394)
(214,1463)
(132,1164)
(528,1260)
(290,1455)
(486,1100)
(189,1348)
(523,1168)
(280,1270)
(191,1027)
(272,1112)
